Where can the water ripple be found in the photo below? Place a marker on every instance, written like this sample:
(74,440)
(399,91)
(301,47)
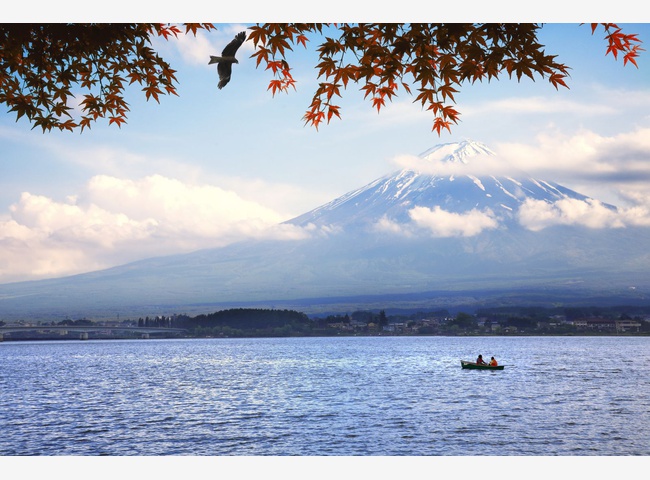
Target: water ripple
(347,396)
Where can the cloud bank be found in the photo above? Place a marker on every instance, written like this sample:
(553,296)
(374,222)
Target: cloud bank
(621,160)
(441,223)
(534,215)
(117,220)
(436,222)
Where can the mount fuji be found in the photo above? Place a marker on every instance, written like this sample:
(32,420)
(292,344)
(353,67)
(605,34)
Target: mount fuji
(442,233)
(394,197)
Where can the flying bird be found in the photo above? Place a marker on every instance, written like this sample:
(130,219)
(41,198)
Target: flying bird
(227,58)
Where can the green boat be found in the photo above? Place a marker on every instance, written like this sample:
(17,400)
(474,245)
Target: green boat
(476,366)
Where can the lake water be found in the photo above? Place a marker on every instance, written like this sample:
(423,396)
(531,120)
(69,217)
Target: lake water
(352,396)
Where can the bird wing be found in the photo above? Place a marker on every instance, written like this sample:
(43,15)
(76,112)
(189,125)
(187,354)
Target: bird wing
(231,48)
(224,69)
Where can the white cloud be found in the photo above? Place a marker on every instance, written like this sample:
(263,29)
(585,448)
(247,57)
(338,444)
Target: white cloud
(116,220)
(585,155)
(77,224)
(479,165)
(610,168)
(638,216)
(199,208)
(437,222)
(442,223)
(386,225)
(195,49)
(639,199)
(538,214)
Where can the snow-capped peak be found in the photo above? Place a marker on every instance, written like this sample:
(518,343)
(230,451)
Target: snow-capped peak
(431,183)
(459,152)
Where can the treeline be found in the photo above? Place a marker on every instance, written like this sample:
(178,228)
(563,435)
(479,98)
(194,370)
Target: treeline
(250,322)
(240,322)
(158,322)
(380,318)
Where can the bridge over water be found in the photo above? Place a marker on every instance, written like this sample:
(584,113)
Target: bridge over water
(85,330)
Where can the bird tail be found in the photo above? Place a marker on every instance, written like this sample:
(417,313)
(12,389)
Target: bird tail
(214,59)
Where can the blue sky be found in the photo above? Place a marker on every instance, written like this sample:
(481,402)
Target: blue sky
(211,166)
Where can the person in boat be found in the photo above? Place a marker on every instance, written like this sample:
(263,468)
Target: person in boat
(493,362)
(480,361)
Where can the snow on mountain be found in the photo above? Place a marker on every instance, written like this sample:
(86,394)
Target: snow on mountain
(458,190)
(456,152)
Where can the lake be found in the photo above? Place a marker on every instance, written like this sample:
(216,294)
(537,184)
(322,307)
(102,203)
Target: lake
(351,396)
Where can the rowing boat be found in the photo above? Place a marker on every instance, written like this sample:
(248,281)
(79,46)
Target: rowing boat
(476,366)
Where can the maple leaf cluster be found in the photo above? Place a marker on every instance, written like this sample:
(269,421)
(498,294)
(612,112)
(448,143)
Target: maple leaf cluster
(619,42)
(430,61)
(43,67)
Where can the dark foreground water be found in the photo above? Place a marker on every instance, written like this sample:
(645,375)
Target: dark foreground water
(360,396)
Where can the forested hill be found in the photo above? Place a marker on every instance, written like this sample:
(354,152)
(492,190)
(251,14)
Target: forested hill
(245,319)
